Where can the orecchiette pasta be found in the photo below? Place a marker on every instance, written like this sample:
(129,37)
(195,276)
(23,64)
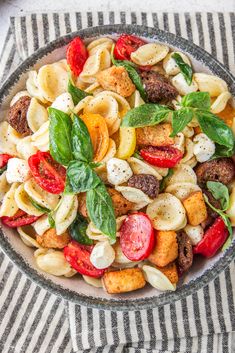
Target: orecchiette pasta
(170,66)
(220,103)
(209,83)
(24,203)
(27,235)
(141,167)
(40,139)
(6,146)
(25,147)
(135,99)
(65,213)
(101,43)
(123,105)
(36,115)
(189,146)
(183,174)
(78,109)
(94,282)
(182,86)
(182,190)
(9,205)
(33,88)
(64,103)
(138,197)
(42,225)
(149,54)
(4,186)
(95,63)
(157,279)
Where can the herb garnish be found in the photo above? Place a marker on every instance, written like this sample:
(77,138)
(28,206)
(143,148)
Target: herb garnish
(185,69)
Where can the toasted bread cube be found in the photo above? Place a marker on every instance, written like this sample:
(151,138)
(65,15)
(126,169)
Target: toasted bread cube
(116,79)
(50,239)
(195,208)
(158,135)
(123,281)
(170,271)
(166,248)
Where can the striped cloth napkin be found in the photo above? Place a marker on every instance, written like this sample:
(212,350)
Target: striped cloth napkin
(33,320)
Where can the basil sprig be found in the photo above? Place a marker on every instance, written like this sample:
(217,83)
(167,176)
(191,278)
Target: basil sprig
(165,179)
(44,210)
(76,93)
(145,115)
(71,146)
(77,230)
(133,74)
(185,69)
(180,119)
(220,192)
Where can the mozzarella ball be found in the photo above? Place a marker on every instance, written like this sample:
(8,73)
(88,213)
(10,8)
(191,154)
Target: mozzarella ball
(195,233)
(118,171)
(64,103)
(17,170)
(181,85)
(102,255)
(204,148)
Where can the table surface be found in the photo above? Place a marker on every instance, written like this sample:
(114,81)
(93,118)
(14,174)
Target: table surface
(18,7)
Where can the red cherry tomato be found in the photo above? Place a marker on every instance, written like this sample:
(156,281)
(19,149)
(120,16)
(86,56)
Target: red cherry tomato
(165,156)
(20,219)
(4,158)
(78,256)
(213,239)
(137,236)
(76,55)
(49,174)
(125,45)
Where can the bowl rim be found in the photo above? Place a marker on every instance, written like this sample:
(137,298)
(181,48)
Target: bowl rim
(120,304)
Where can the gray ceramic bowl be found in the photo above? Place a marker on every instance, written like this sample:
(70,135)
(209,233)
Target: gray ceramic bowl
(75,289)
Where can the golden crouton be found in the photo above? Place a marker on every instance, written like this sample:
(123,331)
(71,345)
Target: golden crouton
(50,239)
(166,248)
(123,281)
(158,135)
(195,208)
(116,79)
(82,204)
(170,271)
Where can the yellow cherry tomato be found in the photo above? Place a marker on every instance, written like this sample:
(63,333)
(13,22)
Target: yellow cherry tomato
(127,143)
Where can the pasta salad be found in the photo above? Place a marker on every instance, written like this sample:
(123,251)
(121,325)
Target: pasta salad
(117,163)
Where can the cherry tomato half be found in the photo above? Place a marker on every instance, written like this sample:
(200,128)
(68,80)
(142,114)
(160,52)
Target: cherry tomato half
(48,174)
(4,158)
(20,219)
(125,45)
(78,256)
(165,156)
(137,236)
(76,55)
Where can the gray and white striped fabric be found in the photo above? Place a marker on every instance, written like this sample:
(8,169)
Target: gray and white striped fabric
(33,320)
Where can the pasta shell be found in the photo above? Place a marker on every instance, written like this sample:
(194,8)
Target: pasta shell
(210,83)
(123,105)
(42,225)
(27,236)
(33,88)
(134,195)
(94,282)
(36,115)
(99,44)
(192,162)
(4,186)
(188,131)
(114,128)
(82,104)
(220,102)
(42,197)
(94,64)
(13,136)
(120,258)
(25,147)
(140,167)
(52,262)
(9,206)
(182,190)
(135,99)
(182,86)
(189,146)
(183,174)
(65,213)
(64,102)
(110,154)
(149,54)
(157,279)
(93,88)
(95,234)
(40,139)
(6,146)
(166,212)
(170,66)
(18,96)
(52,80)
(23,202)
(179,141)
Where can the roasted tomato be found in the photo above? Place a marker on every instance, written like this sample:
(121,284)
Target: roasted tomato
(20,219)
(137,236)
(48,174)
(4,158)
(76,55)
(78,256)
(164,157)
(125,45)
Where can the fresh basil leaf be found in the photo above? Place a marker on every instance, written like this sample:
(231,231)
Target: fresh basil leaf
(60,136)
(200,100)
(219,192)
(137,155)
(76,93)
(165,179)
(39,207)
(77,230)
(51,220)
(222,151)
(145,115)
(100,210)
(81,141)
(215,128)
(133,74)
(80,177)
(2,170)
(185,69)
(180,118)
